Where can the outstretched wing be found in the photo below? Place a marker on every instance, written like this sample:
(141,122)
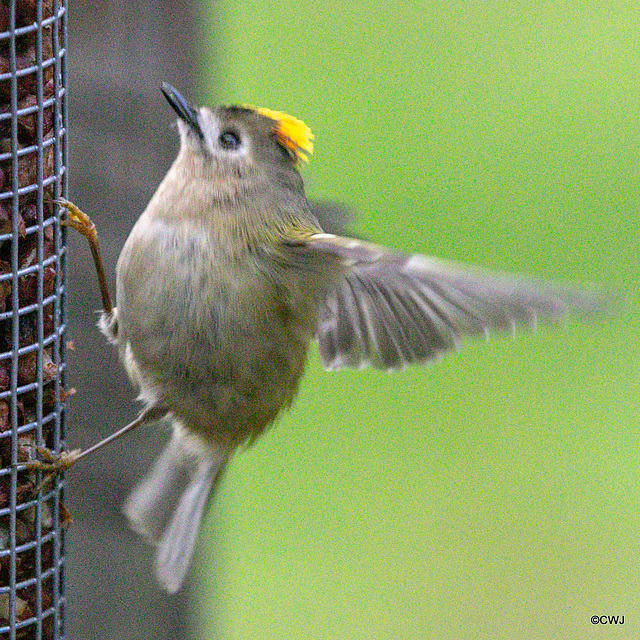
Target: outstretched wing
(390,310)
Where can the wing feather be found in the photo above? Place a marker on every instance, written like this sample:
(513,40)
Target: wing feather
(389,310)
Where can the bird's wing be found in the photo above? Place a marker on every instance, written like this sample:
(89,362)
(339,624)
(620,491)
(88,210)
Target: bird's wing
(389,310)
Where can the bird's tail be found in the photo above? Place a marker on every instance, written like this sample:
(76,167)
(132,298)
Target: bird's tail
(168,505)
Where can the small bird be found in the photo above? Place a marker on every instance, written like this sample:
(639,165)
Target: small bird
(228,277)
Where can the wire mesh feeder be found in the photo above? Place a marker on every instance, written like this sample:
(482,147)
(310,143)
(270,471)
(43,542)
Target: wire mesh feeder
(32,254)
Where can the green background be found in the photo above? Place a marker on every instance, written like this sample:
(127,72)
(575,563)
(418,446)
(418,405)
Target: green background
(493,494)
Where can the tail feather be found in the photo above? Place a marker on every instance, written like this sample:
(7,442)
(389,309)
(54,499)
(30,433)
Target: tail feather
(178,542)
(150,504)
(167,507)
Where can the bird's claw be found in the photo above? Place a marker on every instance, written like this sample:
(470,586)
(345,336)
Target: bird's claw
(77,219)
(53,463)
(50,464)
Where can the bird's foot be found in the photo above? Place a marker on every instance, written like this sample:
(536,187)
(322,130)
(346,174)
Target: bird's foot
(78,219)
(49,462)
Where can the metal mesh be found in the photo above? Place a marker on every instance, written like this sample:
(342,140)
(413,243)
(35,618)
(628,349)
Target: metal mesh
(32,256)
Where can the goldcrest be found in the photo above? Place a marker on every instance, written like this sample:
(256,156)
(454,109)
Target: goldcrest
(226,280)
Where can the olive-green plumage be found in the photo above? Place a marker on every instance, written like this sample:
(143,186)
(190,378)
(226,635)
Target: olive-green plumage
(226,279)
(215,309)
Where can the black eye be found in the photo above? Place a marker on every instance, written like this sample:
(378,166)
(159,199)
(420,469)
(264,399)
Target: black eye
(229,139)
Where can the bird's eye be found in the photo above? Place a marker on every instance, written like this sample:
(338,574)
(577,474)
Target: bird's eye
(229,139)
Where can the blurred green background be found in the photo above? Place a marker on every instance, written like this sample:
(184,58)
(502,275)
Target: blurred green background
(493,494)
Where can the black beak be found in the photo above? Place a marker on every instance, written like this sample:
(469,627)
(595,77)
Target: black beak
(185,111)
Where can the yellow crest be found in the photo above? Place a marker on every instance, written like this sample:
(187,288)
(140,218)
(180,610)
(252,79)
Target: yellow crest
(293,134)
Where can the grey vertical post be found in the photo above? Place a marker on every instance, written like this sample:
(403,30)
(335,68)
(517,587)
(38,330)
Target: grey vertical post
(32,300)
(123,142)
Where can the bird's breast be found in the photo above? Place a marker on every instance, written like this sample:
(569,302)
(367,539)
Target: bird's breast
(218,336)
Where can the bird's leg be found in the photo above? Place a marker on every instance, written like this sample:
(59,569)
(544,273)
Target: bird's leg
(81,222)
(54,463)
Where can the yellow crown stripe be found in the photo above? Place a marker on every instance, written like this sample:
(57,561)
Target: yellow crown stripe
(294,134)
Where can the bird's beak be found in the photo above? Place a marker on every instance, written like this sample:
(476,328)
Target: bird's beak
(185,111)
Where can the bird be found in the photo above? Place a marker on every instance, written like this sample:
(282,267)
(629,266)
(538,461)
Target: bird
(226,280)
